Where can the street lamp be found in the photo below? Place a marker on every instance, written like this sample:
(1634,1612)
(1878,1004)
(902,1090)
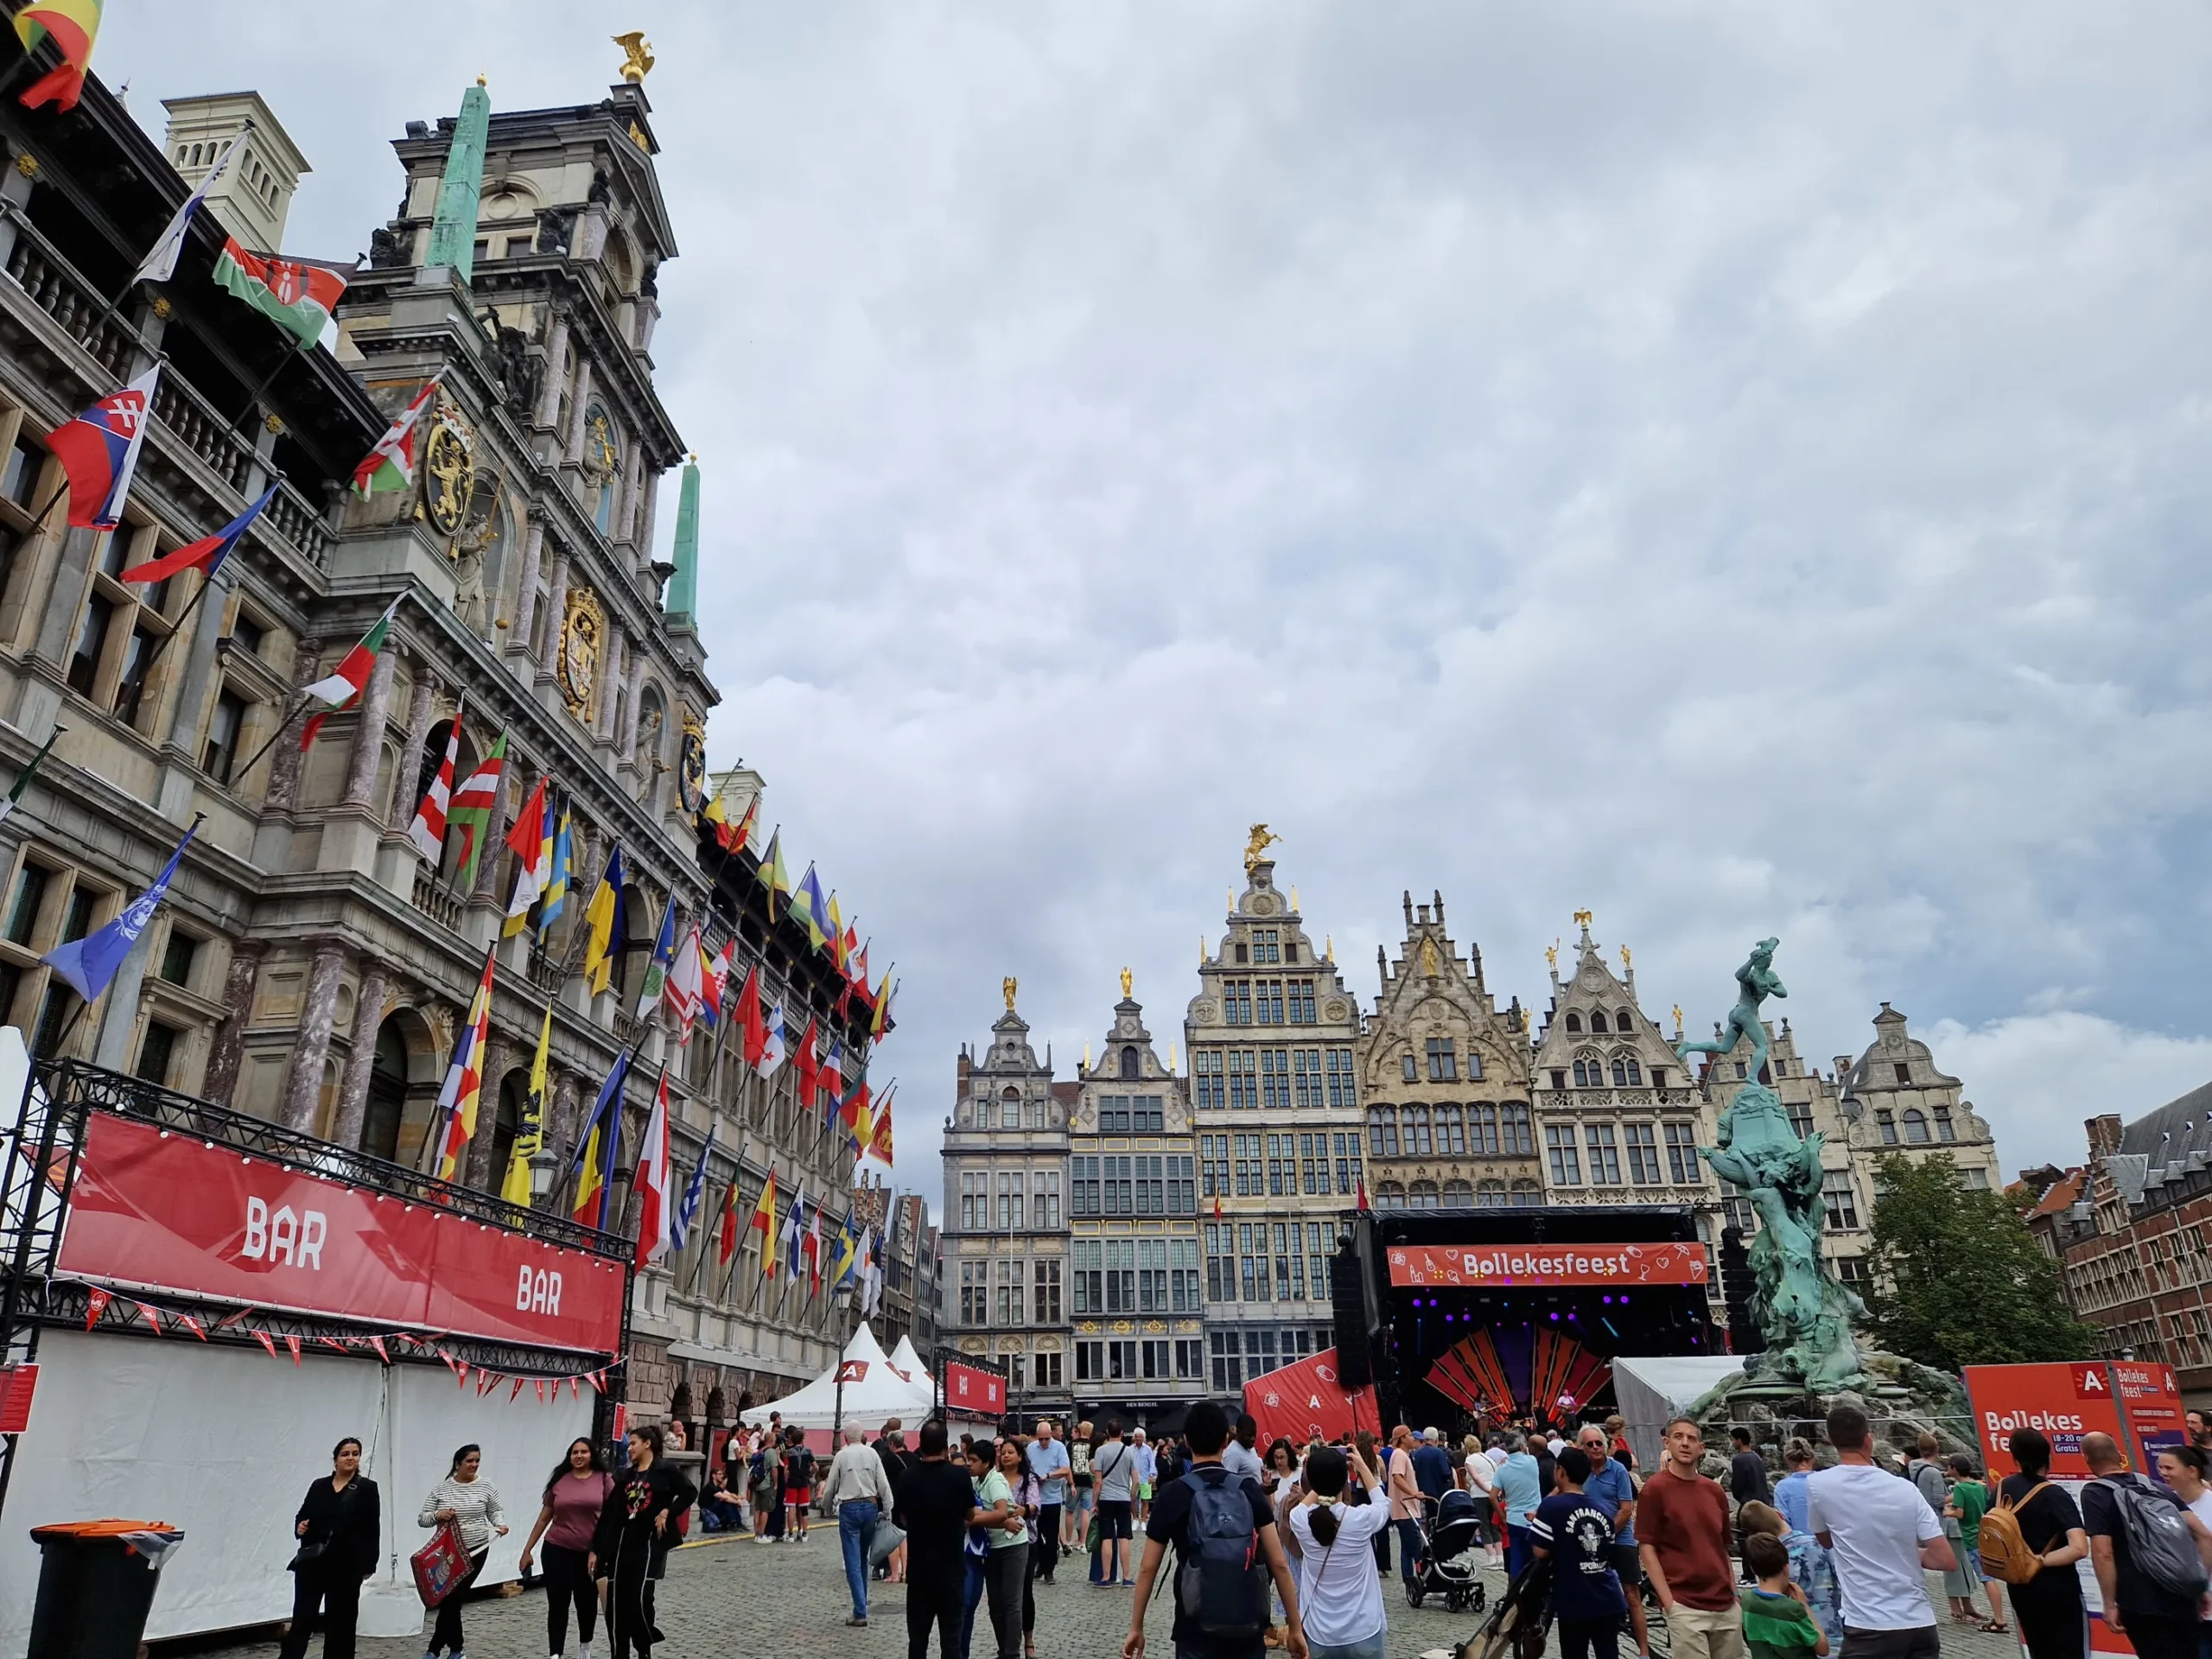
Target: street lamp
(543,1164)
(841,1299)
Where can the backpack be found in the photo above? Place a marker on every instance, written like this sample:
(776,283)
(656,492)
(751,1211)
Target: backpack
(1221,1582)
(2005,1555)
(2159,1541)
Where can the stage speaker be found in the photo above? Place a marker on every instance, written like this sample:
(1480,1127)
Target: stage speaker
(1347,1305)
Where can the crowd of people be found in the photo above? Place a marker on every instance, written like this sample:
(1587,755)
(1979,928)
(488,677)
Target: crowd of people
(1288,1547)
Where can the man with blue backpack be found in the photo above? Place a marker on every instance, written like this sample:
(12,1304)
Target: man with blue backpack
(2149,1553)
(1222,1530)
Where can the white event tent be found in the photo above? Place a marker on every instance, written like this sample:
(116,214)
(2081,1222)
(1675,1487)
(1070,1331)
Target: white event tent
(873,1391)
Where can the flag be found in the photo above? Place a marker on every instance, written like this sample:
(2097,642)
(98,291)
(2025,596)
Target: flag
(811,907)
(428,832)
(872,1275)
(830,1079)
(595,1152)
(880,1022)
(463,1087)
(71,25)
(764,1222)
(810,1246)
(530,1139)
(663,954)
(809,1069)
(561,870)
(160,263)
(751,1023)
(207,555)
(714,972)
(339,689)
(98,450)
(879,1145)
(853,1109)
(771,1046)
(90,963)
(298,295)
(532,854)
(835,927)
(728,1245)
(390,465)
(695,1192)
(603,923)
(771,874)
(680,988)
(845,1259)
(652,1181)
(472,803)
(731,837)
(15,796)
(794,1230)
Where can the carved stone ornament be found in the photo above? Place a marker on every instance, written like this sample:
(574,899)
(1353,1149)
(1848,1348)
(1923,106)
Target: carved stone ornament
(691,765)
(448,472)
(1262,906)
(583,637)
(1338,1010)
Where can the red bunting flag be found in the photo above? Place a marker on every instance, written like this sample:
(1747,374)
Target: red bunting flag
(485,1382)
(593,1378)
(96,1306)
(192,1325)
(262,1336)
(515,1393)
(153,1315)
(541,1390)
(333,1344)
(575,1388)
(377,1343)
(461,1372)
(293,1343)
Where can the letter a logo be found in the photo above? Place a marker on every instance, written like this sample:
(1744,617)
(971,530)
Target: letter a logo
(2090,1383)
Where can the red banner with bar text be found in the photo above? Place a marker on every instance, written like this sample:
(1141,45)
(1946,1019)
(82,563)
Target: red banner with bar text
(1487,1267)
(158,1210)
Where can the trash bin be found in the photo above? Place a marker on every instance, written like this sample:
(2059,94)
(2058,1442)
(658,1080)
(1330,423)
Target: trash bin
(96,1586)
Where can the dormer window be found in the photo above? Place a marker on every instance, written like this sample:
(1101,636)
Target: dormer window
(1574,1020)
(1129,1064)
(1597,1020)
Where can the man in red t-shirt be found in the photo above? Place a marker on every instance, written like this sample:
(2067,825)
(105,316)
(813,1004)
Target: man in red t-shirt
(1681,1533)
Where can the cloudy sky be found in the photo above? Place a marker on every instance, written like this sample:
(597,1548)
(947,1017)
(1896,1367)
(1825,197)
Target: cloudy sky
(1736,469)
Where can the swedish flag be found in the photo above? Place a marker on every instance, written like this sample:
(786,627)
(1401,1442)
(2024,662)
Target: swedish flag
(560,871)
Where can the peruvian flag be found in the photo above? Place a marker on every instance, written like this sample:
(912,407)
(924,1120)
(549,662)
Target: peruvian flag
(751,1021)
(338,689)
(653,1181)
(428,832)
(390,465)
(98,451)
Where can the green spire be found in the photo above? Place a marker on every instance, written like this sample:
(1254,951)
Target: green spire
(683,592)
(453,233)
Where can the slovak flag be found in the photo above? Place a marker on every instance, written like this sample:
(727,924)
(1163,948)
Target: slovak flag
(653,1181)
(98,450)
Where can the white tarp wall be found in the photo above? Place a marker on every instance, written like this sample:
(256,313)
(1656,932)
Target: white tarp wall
(1651,1391)
(222,1441)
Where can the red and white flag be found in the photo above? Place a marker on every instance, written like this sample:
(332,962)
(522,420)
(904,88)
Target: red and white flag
(428,832)
(752,1023)
(390,465)
(653,1182)
(683,988)
(532,849)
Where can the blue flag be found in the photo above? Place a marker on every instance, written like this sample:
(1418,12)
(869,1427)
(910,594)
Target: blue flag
(679,1226)
(90,963)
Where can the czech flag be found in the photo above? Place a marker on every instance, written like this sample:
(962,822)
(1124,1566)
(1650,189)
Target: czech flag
(207,555)
(99,451)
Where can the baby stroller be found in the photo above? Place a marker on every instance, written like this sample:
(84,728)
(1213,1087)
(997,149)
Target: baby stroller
(1447,1566)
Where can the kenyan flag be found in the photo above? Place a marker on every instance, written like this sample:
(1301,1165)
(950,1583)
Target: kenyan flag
(297,296)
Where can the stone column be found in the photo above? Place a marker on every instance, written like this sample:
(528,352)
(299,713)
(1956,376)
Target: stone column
(118,1020)
(557,604)
(611,669)
(649,497)
(224,1053)
(285,757)
(572,446)
(64,599)
(422,715)
(625,505)
(525,615)
(557,373)
(318,1008)
(368,734)
(496,1054)
(361,1059)
(198,670)
(625,740)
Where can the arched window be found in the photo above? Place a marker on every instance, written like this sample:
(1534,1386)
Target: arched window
(1381,1132)
(508,1126)
(1620,1072)
(1129,1064)
(1589,1072)
(1421,1195)
(1010,1110)
(1390,1195)
(1416,1125)
(1459,1195)
(1451,1132)
(1622,1023)
(1597,1019)
(1490,1195)
(1635,1072)
(1408,1068)
(1916,1126)
(1527,1194)
(1482,1125)
(1574,1020)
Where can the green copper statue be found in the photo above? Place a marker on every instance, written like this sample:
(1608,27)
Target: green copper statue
(1804,1311)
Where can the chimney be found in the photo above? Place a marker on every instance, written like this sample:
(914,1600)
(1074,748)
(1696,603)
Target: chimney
(254,192)
(2104,1134)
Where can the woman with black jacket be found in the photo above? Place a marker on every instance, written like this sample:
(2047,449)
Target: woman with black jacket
(341,1532)
(639,1515)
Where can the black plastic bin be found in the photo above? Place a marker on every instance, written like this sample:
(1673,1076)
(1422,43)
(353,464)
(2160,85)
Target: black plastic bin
(96,1586)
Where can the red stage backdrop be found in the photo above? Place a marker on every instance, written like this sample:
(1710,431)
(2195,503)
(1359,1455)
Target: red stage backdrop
(1307,1398)
(973,1392)
(1499,1266)
(159,1211)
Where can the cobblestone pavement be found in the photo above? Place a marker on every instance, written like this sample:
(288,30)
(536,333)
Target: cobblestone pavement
(741,1600)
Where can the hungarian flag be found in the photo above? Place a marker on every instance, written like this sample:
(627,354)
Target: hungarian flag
(750,1022)
(14,798)
(98,450)
(428,832)
(71,25)
(390,465)
(339,689)
(764,1222)
(528,838)
(463,1087)
(652,1181)
(207,555)
(472,808)
(298,295)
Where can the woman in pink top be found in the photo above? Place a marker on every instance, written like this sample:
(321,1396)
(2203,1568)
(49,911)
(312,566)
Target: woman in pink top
(574,1497)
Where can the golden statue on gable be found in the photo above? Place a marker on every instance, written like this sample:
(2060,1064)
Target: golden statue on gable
(1008,986)
(1255,850)
(636,55)
(1128,980)
(1430,964)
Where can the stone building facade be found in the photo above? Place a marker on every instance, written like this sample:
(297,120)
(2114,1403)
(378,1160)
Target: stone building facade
(1895,1100)
(309,966)
(1005,1217)
(1271,1035)
(1445,1076)
(1136,1293)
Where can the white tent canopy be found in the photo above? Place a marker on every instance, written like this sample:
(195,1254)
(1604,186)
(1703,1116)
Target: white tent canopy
(877,1392)
(908,1364)
(1652,1390)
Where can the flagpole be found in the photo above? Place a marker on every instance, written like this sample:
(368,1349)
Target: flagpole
(176,628)
(253,398)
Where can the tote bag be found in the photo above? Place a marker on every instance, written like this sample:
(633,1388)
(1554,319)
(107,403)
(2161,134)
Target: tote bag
(440,1565)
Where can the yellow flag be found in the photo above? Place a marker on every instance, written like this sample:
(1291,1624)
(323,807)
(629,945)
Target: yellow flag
(531,1138)
(602,923)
